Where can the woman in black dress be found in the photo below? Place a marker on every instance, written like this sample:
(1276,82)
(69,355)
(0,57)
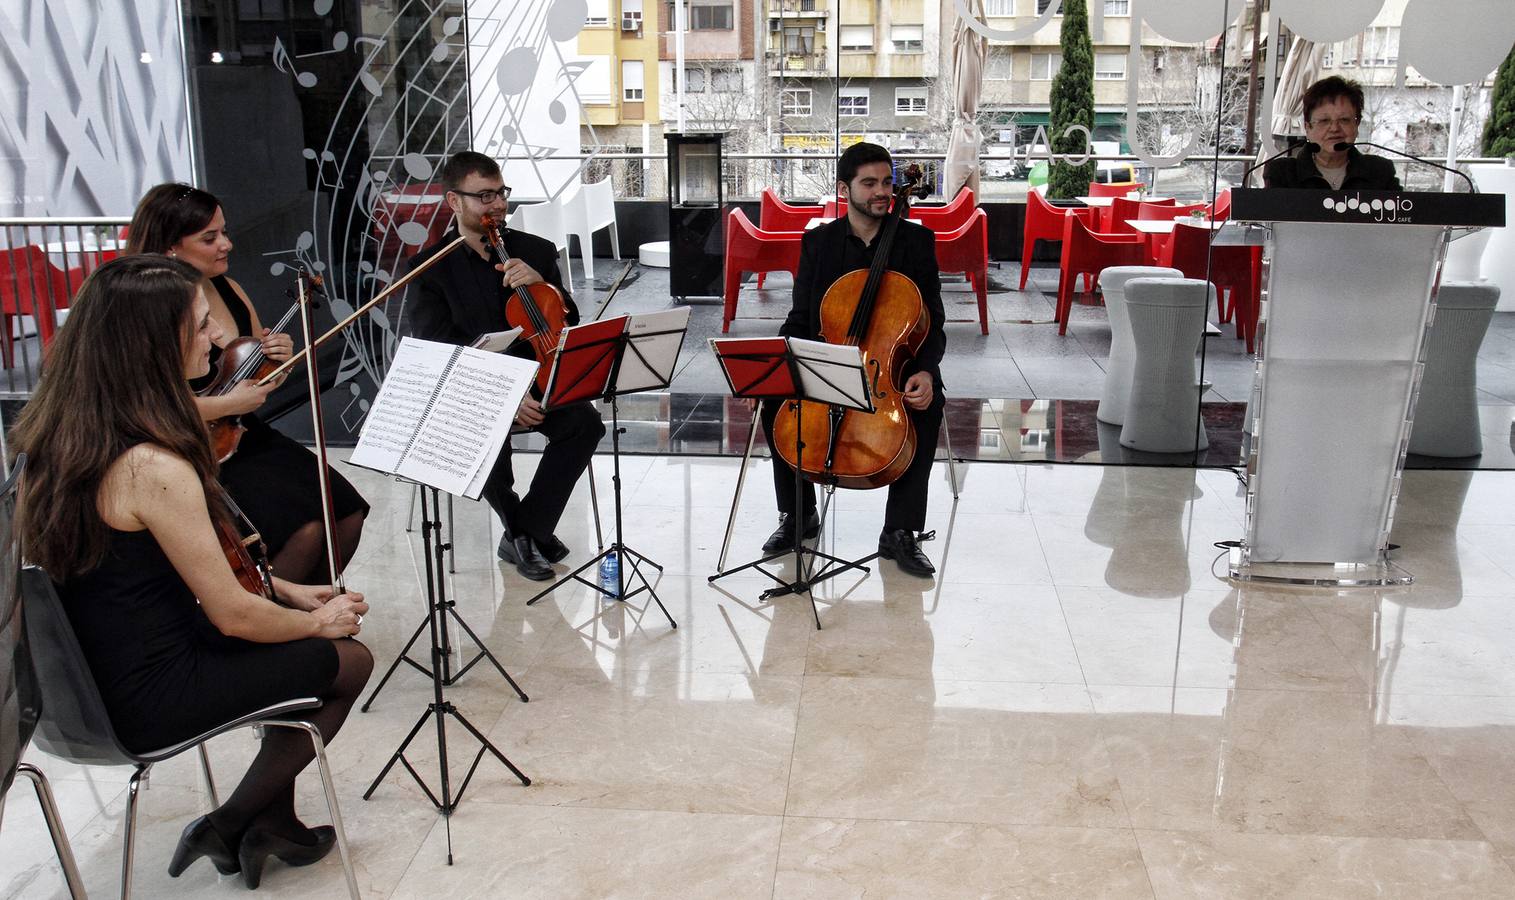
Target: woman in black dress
(117,505)
(273,479)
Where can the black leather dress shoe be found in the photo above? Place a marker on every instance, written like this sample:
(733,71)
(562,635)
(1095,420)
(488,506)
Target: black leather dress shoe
(522,551)
(901,546)
(783,537)
(553,550)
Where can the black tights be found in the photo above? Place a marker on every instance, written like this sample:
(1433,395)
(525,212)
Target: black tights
(266,795)
(302,559)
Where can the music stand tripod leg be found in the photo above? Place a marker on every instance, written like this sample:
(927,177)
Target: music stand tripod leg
(439,707)
(736,496)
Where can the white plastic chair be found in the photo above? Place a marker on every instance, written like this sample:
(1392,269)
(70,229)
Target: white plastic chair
(546,220)
(591,208)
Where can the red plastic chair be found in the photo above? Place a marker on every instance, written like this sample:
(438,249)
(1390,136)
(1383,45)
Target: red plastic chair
(430,209)
(1088,253)
(1235,271)
(751,249)
(1222,205)
(1044,222)
(950,217)
(966,250)
(776,215)
(30,285)
(1163,211)
(1114,189)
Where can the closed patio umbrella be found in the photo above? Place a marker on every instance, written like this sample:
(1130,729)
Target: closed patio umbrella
(968,51)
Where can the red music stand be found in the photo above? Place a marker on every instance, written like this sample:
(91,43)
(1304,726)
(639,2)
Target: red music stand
(602,360)
(792,370)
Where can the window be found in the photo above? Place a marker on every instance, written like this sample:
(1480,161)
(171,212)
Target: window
(1380,46)
(857,37)
(1041,6)
(1117,7)
(631,80)
(710,15)
(694,80)
(799,40)
(910,101)
(998,67)
(852,101)
(795,102)
(598,13)
(631,15)
(1329,59)
(1109,66)
(726,81)
(1000,8)
(908,38)
(1044,66)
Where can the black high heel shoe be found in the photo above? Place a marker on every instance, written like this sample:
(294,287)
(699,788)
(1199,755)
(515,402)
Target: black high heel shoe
(200,838)
(258,844)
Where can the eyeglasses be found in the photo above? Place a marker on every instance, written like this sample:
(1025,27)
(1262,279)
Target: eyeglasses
(487,197)
(1340,123)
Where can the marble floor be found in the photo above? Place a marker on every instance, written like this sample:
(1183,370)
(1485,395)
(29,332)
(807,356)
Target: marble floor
(1077,706)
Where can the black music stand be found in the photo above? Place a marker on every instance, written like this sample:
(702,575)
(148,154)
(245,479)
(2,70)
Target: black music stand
(438,607)
(604,360)
(793,370)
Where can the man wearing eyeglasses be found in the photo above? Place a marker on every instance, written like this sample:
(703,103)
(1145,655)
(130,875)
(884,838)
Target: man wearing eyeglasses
(462,297)
(1327,160)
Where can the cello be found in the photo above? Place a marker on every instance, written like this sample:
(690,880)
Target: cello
(537,309)
(880,312)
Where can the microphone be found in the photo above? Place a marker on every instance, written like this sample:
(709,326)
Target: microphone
(1310,147)
(1473,188)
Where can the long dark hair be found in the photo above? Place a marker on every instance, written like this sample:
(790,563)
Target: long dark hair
(166,215)
(114,378)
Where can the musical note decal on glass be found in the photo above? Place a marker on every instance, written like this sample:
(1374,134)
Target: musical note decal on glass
(284,63)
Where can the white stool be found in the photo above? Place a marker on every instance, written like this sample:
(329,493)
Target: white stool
(1117,392)
(1167,323)
(1446,416)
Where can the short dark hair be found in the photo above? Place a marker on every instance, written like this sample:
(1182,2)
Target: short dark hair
(1333,88)
(857,156)
(464,163)
(167,214)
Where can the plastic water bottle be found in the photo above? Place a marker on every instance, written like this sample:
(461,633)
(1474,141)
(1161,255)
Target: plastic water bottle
(610,576)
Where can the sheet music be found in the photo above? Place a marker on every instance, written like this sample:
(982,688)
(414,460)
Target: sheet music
(496,341)
(653,351)
(442,414)
(832,373)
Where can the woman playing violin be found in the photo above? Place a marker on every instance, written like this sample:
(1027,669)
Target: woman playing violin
(271,477)
(119,504)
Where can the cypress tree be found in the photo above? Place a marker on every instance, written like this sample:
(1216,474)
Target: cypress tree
(1072,103)
(1499,131)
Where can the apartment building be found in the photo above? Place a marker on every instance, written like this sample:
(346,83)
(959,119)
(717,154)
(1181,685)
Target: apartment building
(619,88)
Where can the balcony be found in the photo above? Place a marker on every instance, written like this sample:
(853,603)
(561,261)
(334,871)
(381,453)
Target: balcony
(781,64)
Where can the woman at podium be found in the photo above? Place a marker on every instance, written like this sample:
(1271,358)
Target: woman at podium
(1328,160)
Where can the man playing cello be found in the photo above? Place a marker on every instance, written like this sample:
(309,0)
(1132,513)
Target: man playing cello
(463,297)
(865,172)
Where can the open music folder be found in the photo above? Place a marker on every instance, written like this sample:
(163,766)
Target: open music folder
(443,414)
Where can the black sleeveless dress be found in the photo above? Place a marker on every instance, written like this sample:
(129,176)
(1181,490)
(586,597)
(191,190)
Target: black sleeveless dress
(165,672)
(271,477)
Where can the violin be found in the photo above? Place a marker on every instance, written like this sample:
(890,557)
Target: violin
(244,549)
(879,311)
(241,359)
(537,309)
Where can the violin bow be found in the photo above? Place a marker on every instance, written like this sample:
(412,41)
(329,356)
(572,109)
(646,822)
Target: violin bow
(305,282)
(379,298)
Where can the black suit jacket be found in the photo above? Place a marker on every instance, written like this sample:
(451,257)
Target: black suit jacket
(1364,172)
(462,296)
(823,259)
